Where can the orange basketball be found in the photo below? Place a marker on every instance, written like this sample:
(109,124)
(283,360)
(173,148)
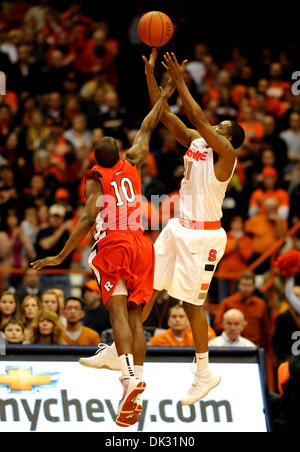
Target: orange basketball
(155,29)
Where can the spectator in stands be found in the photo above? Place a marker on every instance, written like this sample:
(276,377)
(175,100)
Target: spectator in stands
(196,67)
(253,308)
(23,77)
(269,190)
(96,57)
(29,310)
(16,248)
(61,298)
(75,333)
(265,230)
(36,192)
(277,85)
(177,334)
(234,324)
(49,242)
(43,216)
(6,123)
(236,257)
(37,13)
(30,224)
(37,132)
(46,329)
(9,307)
(96,316)
(13,331)
(272,139)
(53,107)
(151,186)
(62,197)
(292,140)
(286,325)
(169,162)
(254,130)
(78,135)
(114,121)
(30,284)
(50,301)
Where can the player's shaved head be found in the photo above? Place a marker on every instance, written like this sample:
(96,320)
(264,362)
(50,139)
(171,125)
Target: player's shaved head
(232,130)
(107,152)
(237,133)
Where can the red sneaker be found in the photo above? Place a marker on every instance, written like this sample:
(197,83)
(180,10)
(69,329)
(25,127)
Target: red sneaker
(130,406)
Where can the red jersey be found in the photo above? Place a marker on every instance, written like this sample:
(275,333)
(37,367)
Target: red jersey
(122,190)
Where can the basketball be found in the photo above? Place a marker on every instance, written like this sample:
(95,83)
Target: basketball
(155,29)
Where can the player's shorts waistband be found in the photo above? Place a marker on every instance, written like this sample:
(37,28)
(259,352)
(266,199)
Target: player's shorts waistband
(201,225)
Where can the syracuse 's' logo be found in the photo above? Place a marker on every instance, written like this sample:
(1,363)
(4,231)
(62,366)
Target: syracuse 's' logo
(22,380)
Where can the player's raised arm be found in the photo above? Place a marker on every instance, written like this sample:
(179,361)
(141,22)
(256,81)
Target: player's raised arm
(138,153)
(91,210)
(177,128)
(219,143)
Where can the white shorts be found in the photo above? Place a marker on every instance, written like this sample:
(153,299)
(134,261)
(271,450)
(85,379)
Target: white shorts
(186,260)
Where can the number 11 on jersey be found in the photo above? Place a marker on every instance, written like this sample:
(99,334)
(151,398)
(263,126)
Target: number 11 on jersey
(188,170)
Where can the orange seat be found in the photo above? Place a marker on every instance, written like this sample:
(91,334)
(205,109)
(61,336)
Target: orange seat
(283,376)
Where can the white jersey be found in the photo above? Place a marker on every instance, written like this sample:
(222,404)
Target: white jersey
(201,194)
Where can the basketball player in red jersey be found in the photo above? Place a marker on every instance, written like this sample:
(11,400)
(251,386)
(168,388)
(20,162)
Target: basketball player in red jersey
(189,248)
(122,258)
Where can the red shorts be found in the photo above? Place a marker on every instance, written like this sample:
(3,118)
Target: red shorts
(124,255)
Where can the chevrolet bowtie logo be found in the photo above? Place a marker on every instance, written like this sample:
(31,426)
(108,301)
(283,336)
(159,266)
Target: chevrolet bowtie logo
(23,380)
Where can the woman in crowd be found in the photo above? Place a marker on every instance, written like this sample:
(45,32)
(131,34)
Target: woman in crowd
(50,300)
(46,329)
(29,310)
(8,307)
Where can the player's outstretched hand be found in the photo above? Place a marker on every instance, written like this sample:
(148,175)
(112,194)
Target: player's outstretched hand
(47,262)
(171,64)
(150,65)
(169,89)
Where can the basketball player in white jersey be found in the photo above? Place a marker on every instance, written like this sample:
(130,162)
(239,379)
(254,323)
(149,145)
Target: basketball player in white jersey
(189,249)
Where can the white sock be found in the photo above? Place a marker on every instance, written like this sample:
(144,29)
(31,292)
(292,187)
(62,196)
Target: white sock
(138,370)
(202,362)
(127,365)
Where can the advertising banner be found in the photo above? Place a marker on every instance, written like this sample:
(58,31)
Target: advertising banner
(64,396)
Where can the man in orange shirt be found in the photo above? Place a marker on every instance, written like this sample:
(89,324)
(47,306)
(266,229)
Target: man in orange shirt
(75,333)
(179,333)
(253,308)
(237,255)
(269,190)
(265,229)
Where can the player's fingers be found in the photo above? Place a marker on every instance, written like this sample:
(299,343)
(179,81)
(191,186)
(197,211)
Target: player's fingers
(174,59)
(168,58)
(165,66)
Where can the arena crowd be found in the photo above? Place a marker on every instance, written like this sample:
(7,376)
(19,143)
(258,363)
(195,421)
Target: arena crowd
(66,89)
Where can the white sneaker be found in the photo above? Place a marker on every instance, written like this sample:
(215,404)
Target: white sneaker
(201,387)
(105,358)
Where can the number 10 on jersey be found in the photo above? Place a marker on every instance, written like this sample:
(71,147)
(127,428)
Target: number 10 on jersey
(126,188)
